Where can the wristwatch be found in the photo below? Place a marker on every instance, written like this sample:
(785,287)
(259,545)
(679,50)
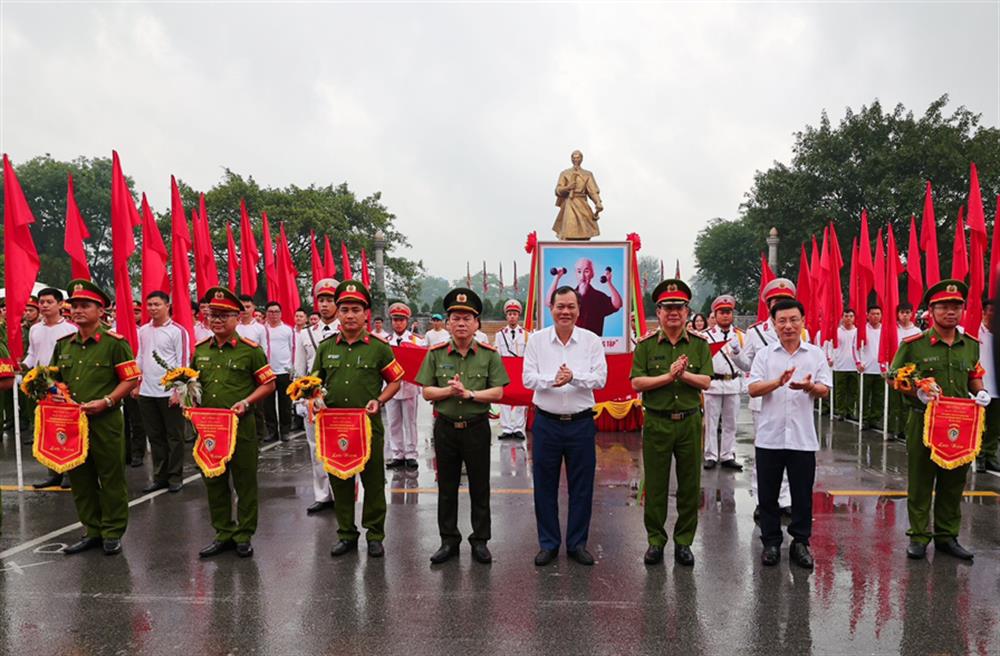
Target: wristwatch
(472,395)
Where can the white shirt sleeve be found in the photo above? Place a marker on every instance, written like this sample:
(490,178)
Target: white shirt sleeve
(531,377)
(597,376)
(758,371)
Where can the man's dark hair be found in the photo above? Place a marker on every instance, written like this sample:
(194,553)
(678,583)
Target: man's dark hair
(271,304)
(158,294)
(565,289)
(904,307)
(378,319)
(873,305)
(787,304)
(848,310)
(302,309)
(987,300)
(246,297)
(314,313)
(53,292)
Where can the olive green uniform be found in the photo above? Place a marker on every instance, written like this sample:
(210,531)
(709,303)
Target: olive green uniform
(7,396)
(953,367)
(229,372)
(353,373)
(462,433)
(7,367)
(92,368)
(672,430)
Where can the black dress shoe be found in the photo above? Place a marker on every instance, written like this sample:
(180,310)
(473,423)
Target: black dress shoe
(683,555)
(709,464)
(771,556)
(799,553)
(154,487)
(65,484)
(174,488)
(916,550)
(953,548)
(48,482)
(244,549)
(786,511)
(993,465)
(216,548)
(731,464)
(411,463)
(136,462)
(376,550)
(395,463)
(444,553)
(481,554)
(112,546)
(344,547)
(319,506)
(581,556)
(654,555)
(83,544)
(545,556)
(980,466)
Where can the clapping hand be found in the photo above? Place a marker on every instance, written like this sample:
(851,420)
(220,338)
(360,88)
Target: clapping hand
(457,388)
(678,367)
(786,377)
(805,384)
(563,376)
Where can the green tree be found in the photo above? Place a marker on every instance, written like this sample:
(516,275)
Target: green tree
(873,159)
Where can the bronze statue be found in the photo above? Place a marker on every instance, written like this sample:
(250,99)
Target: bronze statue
(576,221)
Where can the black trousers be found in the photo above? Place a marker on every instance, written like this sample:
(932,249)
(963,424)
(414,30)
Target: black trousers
(283,416)
(164,426)
(135,432)
(801,468)
(555,442)
(452,447)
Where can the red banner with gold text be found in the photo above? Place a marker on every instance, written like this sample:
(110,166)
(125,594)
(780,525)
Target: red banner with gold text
(953,430)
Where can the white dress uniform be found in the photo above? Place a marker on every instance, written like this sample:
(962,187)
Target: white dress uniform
(510,343)
(722,398)
(401,410)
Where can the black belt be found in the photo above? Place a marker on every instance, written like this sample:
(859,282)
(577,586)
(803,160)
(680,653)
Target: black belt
(672,416)
(723,377)
(583,414)
(919,411)
(464,423)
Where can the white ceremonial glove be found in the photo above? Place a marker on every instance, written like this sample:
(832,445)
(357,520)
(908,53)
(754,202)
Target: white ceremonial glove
(734,345)
(924,397)
(982,398)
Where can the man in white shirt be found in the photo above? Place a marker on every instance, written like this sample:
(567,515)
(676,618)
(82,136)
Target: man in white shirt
(722,398)
(899,411)
(564,364)
(42,340)
(201,328)
(437,334)
(162,416)
(401,409)
(788,376)
(278,346)
(873,392)
(305,352)
(844,359)
(249,328)
(378,328)
(988,460)
(509,342)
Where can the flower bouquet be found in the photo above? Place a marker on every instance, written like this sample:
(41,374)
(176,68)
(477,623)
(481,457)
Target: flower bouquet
(39,384)
(907,377)
(182,382)
(308,390)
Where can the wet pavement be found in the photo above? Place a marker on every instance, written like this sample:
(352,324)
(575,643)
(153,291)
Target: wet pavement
(293,598)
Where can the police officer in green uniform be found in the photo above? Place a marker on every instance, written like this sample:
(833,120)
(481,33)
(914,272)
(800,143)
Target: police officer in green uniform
(7,366)
(353,365)
(671,367)
(99,370)
(462,377)
(952,359)
(234,374)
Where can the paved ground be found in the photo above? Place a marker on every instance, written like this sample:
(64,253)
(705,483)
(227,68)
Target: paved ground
(292,598)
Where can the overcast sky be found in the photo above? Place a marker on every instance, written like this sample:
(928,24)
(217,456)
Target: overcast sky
(462,115)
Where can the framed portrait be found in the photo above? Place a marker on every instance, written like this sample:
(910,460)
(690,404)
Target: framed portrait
(600,272)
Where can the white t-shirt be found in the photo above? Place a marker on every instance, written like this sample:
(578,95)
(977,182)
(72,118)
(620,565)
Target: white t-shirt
(42,341)
(435,337)
(253,331)
(278,345)
(869,350)
(845,355)
(170,342)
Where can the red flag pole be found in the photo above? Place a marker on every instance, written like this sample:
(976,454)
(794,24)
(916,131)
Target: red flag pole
(766,276)
(959,253)
(21,262)
(76,232)
(182,313)
(154,253)
(914,277)
(329,264)
(270,270)
(345,262)
(124,218)
(973,317)
(995,252)
(928,239)
(315,260)
(248,252)
(208,266)
(234,260)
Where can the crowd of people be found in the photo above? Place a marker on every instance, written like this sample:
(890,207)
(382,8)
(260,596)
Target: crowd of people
(690,372)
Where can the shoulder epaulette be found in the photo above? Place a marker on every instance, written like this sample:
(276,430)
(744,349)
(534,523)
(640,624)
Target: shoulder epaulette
(249,341)
(112,333)
(651,333)
(754,325)
(489,347)
(379,338)
(65,336)
(691,333)
(204,340)
(438,346)
(912,338)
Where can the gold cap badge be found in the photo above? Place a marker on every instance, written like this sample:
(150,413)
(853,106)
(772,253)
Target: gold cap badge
(220,294)
(952,288)
(461,298)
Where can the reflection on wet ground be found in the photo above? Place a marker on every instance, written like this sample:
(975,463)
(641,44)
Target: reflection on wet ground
(292,598)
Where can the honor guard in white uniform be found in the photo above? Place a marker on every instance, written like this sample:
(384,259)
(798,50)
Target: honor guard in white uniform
(722,398)
(305,352)
(510,343)
(401,409)
(760,335)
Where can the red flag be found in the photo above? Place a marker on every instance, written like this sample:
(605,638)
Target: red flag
(852,282)
(288,287)
(766,276)
(889,340)
(959,253)
(154,252)
(124,218)
(345,262)
(833,296)
(21,261)
(914,278)
(316,261)
(76,232)
(366,278)
(803,292)
(816,283)
(329,264)
(211,269)
(995,252)
(250,256)
(880,268)
(206,270)
(977,241)
(866,277)
(828,322)
(234,260)
(180,246)
(928,239)
(515,261)
(270,271)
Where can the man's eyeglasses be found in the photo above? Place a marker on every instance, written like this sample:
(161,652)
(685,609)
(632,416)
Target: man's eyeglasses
(223,316)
